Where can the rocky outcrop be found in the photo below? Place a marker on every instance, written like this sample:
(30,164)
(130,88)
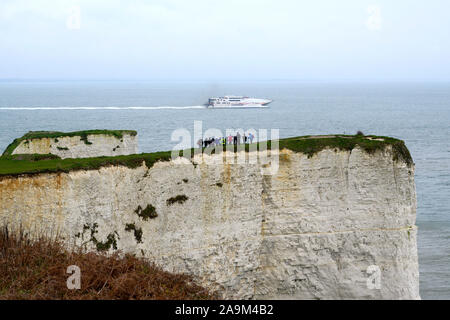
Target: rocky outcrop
(336,225)
(80,146)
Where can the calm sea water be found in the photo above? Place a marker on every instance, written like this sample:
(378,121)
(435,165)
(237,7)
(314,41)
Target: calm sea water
(416,113)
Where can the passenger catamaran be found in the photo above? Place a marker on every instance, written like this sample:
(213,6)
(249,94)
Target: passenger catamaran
(234,102)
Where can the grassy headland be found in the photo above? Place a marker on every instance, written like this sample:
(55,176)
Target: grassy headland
(310,145)
(55,135)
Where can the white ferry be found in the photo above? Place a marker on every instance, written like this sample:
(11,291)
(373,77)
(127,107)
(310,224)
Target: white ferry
(233,102)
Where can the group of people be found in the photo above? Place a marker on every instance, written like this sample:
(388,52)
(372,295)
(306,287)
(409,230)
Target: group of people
(236,139)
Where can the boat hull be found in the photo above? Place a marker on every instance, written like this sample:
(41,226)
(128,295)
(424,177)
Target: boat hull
(256,106)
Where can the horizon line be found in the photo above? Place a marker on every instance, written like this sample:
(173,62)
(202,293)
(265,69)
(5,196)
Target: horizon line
(374,80)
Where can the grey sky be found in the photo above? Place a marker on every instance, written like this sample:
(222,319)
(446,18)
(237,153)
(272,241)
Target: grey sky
(325,40)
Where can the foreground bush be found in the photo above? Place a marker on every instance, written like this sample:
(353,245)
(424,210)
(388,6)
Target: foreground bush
(37,270)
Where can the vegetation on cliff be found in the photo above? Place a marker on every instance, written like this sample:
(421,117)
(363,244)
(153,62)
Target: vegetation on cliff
(37,270)
(148,213)
(31,157)
(309,145)
(55,135)
(178,199)
(9,166)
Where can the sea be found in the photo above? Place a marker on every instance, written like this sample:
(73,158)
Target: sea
(418,113)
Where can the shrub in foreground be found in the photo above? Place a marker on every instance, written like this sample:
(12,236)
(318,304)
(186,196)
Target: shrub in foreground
(37,270)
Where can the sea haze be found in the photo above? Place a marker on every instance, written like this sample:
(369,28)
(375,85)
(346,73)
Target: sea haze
(417,113)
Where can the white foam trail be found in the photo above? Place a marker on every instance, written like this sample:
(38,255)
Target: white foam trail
(102,108)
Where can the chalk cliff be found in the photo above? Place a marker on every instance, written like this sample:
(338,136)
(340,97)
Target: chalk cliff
(81,145)
(315,229)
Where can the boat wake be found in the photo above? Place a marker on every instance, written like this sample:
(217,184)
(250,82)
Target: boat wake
(104,108)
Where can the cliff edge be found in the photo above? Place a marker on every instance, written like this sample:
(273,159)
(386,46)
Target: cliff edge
(336,220)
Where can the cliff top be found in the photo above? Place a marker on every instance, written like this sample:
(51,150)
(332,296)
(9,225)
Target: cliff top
(309,145)
(56,134)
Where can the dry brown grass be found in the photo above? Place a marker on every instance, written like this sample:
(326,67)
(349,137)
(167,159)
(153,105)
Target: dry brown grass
(37,270)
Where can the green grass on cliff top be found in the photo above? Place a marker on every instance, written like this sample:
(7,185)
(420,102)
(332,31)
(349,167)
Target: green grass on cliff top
(18,164)
(55,134)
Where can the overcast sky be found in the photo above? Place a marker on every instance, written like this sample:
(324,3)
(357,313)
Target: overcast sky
(325,40)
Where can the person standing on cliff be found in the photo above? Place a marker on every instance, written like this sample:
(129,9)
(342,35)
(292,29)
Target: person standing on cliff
(250,137)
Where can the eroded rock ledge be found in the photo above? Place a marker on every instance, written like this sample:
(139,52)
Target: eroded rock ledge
(80,144)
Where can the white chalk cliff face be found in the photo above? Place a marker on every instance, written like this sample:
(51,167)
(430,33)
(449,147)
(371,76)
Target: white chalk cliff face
(338,225)
(73,147)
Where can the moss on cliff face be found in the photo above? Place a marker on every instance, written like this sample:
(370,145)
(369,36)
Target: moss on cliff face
(178,199)
(110,241)
(55,135)
(137,231)
(148,213)
(309,145)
